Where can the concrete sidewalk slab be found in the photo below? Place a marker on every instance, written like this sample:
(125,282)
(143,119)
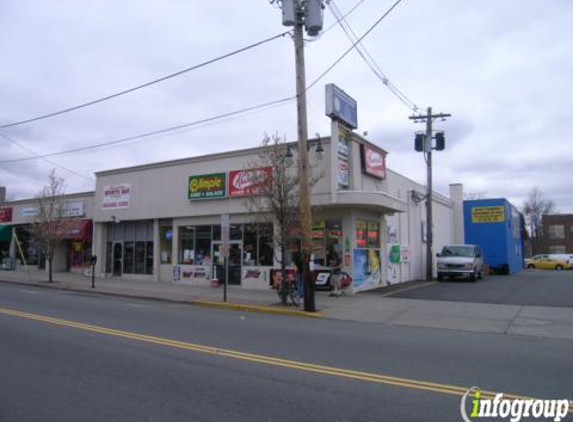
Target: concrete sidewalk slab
(546,322)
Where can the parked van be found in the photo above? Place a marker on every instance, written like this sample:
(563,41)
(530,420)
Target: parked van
(460,260)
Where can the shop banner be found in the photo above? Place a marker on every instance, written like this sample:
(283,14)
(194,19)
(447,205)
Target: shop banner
(343,154)
(28,212)
(366,269)
(207,186)
(249,182)
(373,162)
(74,209)
(5,214)
(116,196)
(394,257)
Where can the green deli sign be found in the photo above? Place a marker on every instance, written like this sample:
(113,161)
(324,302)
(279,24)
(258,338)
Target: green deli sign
(207,186)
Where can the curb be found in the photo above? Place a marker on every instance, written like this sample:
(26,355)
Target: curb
(207,304)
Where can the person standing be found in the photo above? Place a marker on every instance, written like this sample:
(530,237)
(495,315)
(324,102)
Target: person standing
(299,270)
(335,265)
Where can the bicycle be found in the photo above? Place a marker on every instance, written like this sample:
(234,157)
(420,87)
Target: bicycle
(286,289)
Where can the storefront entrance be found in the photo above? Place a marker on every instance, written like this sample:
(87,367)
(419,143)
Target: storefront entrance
(235,257)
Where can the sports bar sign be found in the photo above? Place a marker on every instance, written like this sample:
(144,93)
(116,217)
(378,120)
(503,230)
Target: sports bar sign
(207,186)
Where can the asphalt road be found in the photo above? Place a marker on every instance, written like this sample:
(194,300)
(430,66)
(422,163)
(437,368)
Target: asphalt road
(527,287)
(107,358)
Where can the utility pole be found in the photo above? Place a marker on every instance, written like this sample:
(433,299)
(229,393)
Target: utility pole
(424,143)
(305,212)
(299,14)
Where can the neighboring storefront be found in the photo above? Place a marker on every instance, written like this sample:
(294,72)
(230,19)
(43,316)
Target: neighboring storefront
(74,250)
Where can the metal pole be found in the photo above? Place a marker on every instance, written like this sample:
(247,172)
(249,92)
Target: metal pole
(305,211)
(226,278)
(429,231)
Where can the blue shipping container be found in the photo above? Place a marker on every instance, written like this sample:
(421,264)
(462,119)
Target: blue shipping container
(497,226)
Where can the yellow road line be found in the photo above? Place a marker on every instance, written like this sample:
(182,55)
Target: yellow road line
(267,360)
(429,283)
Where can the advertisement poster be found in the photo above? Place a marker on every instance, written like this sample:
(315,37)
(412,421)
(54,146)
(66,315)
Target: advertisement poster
(366,269)
(5,214)
(343,153)
(207,186)
(373,162)
(405,253)
(116,196)
(249,182)
(277,277)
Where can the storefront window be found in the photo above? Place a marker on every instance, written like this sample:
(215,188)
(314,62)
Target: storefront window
(319,242)
(165,244)
(149,258)
(203,245)
(186,244)
(367,234)
(258,244)
(128,257)
(139,257)
(334,236)
(373,234)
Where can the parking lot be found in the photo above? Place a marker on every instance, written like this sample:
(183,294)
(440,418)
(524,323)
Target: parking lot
(527,287)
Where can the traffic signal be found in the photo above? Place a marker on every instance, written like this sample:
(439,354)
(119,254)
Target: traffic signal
(419,142)
(440,141)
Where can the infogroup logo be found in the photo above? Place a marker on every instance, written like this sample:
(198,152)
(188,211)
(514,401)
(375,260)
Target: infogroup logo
(514,409)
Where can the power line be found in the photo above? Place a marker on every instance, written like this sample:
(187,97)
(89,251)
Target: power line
(368,59)
(43,158)
(153,133)
(323,74)
(145,85)
(213,118)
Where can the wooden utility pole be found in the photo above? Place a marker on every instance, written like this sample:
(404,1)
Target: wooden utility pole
(428,118)
(305,212)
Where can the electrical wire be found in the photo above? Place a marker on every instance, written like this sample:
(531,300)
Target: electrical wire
(323,74)
(145,85)
(43,158)
(213,118)
(368,59)
(153,133)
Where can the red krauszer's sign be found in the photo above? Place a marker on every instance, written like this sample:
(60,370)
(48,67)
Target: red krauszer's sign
(5,214)
(373,162)
(249,182)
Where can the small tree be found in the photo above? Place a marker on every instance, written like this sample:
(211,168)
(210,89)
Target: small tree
(275,197)
(51,224)
(534,207)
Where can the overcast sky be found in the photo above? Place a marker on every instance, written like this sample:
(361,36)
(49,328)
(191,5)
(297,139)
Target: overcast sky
(502,68)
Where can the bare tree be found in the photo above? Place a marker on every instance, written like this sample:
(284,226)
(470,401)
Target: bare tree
(534,207)
(51,224)
(275,196)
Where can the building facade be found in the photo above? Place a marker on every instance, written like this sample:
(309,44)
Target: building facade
(558,233)
(165,221)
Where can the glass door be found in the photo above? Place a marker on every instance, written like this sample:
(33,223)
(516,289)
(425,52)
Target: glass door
(117,258)
(235,254)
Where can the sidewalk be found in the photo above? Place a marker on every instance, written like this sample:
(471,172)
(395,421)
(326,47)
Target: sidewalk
(547,322)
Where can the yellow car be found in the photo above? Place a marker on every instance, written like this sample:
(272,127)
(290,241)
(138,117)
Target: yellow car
(547,262)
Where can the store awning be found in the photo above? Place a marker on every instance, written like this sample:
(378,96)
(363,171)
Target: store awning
(77,230)
(5,233)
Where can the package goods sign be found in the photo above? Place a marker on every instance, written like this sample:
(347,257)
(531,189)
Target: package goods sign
(494,214)
(373,162)
(207,186)
(5,214)
(116,196)
(250,182)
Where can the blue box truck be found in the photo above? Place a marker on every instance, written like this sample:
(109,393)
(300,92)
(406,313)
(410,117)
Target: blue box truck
(499,228)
